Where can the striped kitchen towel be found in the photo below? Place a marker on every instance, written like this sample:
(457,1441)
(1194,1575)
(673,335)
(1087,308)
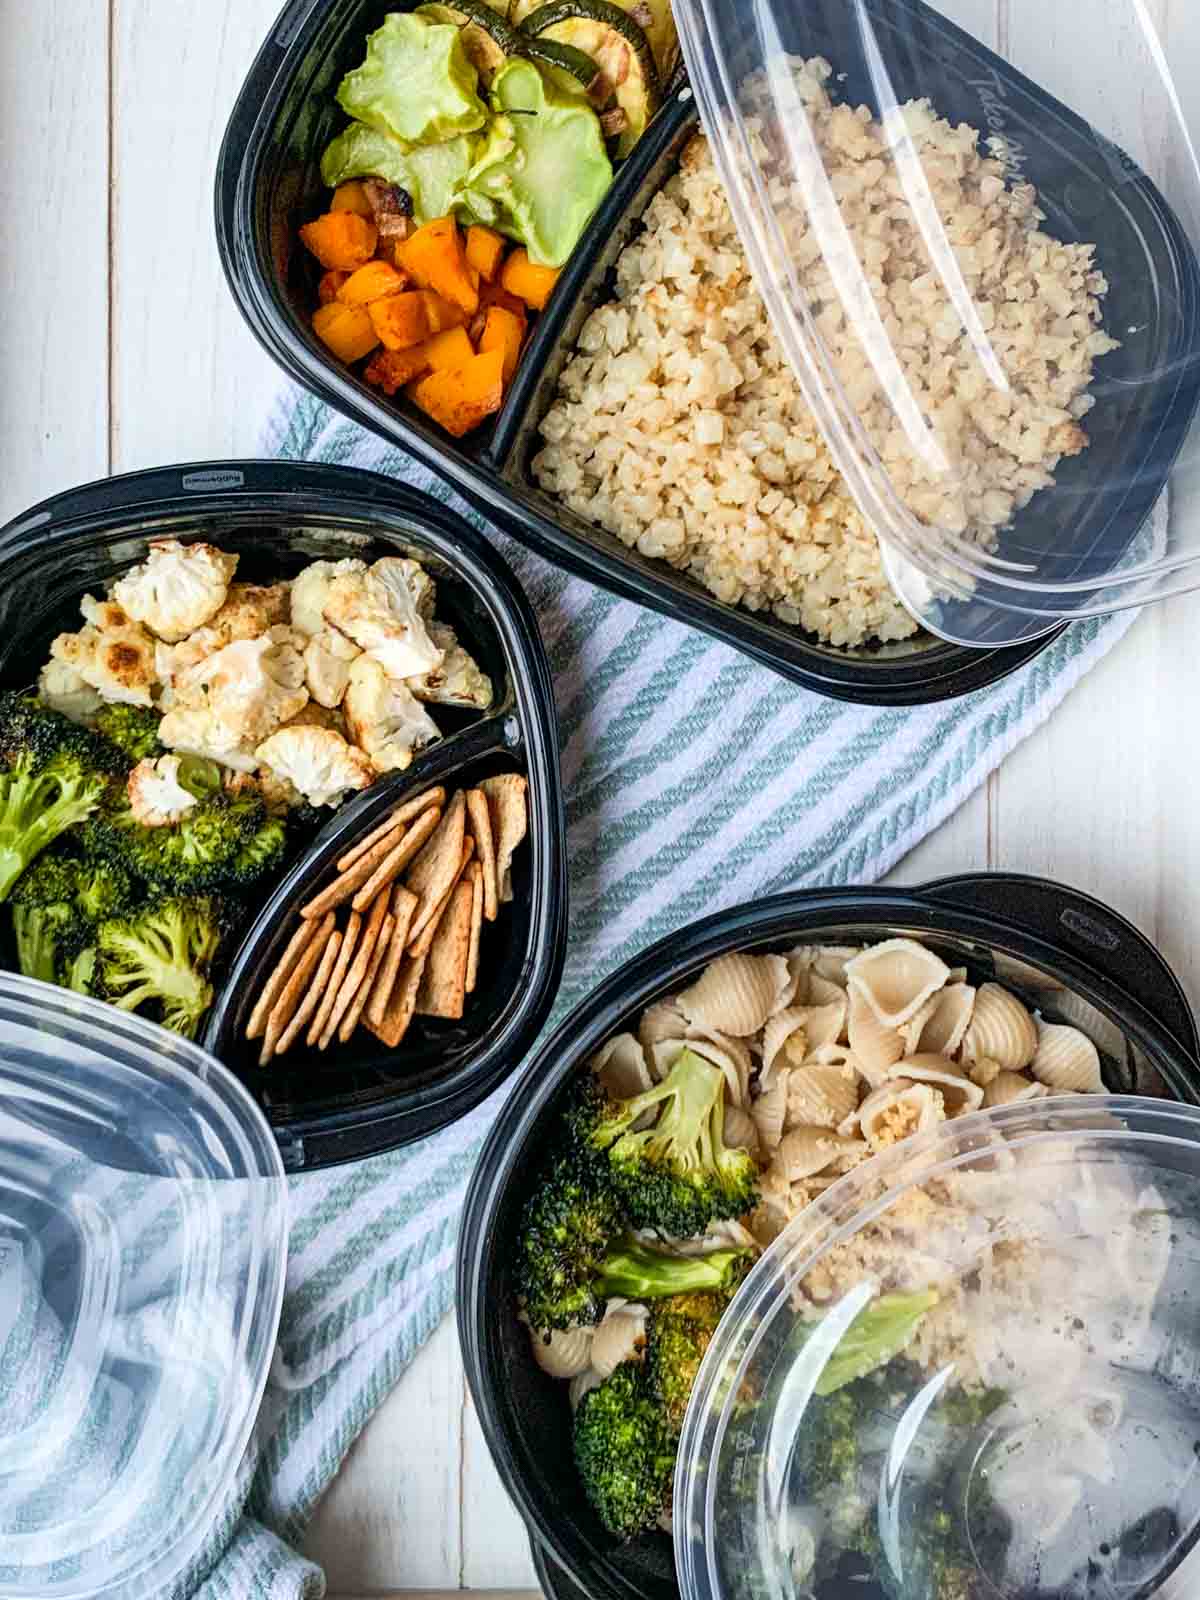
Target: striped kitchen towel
(694,779)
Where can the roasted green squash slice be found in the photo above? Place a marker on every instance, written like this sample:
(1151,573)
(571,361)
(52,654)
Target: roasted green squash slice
(487,38)
(619,48)
(567,67)
(653,17)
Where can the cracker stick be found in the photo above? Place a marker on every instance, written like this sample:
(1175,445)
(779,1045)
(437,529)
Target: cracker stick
(394,819)
(432,874)
(273,987)
(420,945)
(479,813)
(475,875)
(349,944)
(392,864)
(312,995)
(400,1007)
(444,981)
(510,819)
(358,969)
(346,883)
(350,1020)
(282,1010)
(404,903)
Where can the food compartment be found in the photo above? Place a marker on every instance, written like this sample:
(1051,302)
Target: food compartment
(525,1412)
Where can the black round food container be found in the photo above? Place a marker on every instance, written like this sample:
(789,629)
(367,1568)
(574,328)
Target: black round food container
(998,927)
(268,184)
(360,1099)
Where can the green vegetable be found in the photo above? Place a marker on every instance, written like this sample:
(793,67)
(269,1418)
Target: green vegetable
(572,70)
(222,842)
(163,955)
(619,48)
(635,1271)
(680,1330)
(432,175)
(53,775)
(677,1175)
(543,163)
(133,729)
(486,37)
(877,1335)
(415,84)
(39,932)
(625,1452)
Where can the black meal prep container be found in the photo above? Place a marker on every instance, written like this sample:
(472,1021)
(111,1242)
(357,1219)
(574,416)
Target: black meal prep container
(268,183)
(359,1099)
(998,926)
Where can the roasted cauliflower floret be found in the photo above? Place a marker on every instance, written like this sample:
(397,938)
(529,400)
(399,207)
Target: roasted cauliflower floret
(381,611)
(458,681)
(177,589)
(62,689)
(156,795)
(250,609)
(115,657)
(200,733)
(311,589)
(249,689)
(327,658)
(384,717)
(317,762)
(315,715)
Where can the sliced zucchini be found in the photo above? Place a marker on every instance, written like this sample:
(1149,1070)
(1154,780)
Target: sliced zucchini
(486,36)
(568,67)
(652,16)
(619,48)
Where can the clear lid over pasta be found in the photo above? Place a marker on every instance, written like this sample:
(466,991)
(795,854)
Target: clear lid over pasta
(971,1369)
(973,225)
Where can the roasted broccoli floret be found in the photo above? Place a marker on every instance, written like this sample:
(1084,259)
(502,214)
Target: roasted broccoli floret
(55,907)
(164,955)
(625,1452)
(677,1175)
(680,1331)
(880,1332)
(564,1232)
(133,729)
(263,852)
(53,775)
(635,1271)
(221,842)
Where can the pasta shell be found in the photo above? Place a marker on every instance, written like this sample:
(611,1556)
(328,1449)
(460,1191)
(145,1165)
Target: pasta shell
(946,1019)
(583,1384)
(821,992)
(621,1336)
(824,1024)
(1006,1088)
(959,1092)
(1001,1028)
(830,961)
(875,1047)
(806,1151)
(770,1111)
(1066,1060)
(739,1131)
(984,1071)
(1069,1007)
(566,1353)
(731,1055)
(821,1094)
(957,975)
(897,977)
(663,1020)
(897,1111)
(621,1067)
(779,1029)
(736,993)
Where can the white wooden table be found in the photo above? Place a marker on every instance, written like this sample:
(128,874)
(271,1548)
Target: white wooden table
(120,349)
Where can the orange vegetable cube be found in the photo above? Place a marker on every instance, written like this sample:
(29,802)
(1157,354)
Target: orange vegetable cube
(441,313)
(371,282)
(526,280)
(347,330)
(330,286)
(390,370)
(435,258)
(352,196)
(449,349)
(460,398)
(504,332)
(340,239)
(485,250)
(400,320)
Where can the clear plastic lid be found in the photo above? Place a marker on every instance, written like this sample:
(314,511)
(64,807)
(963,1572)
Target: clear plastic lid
(974,225)
(969,1371)
(143,1239)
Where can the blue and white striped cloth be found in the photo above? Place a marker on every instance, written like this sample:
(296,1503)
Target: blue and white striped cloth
(694,780)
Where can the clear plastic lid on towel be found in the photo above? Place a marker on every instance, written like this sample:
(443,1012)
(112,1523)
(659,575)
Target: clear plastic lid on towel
(969,1371)
(1015,419)
(143,1217)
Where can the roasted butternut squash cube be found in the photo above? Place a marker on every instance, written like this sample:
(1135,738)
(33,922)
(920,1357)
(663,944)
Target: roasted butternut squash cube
(390,370)
(442,314)
(529,282)
(352,196)
(347,330)
(504,332)
(460,398)
(401,320)
(449,349)
(330,286)
(340,239)
(485,250)
(435,259)
(372,282)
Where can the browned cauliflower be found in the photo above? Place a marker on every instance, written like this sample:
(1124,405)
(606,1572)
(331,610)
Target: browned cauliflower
(156,796)
(384,717)
(112,653)
(317,762)
(177,589)
(310,590)
(384,611)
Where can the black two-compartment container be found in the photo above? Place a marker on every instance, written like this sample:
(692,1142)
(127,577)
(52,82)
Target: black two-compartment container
(1068,954)
(360,1098)
(268,184)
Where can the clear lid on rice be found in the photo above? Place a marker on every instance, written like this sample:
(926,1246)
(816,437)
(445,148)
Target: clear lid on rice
(969,1371)
(974,229)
